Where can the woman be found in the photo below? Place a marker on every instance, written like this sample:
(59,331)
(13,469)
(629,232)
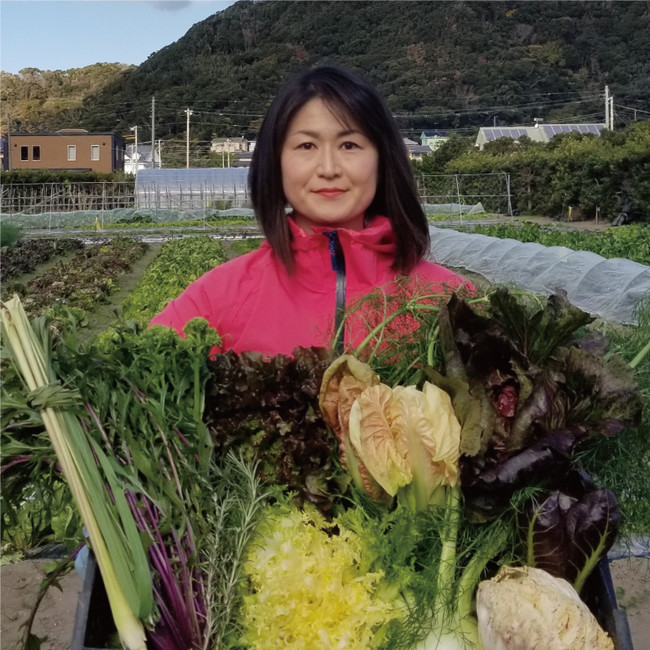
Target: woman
(331,150)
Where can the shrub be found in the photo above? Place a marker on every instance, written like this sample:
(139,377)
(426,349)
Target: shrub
(9,234)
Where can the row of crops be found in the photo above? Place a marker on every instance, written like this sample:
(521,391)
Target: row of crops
(629,242)
(165,419)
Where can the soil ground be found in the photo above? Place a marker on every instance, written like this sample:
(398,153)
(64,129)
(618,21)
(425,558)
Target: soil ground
(55,618)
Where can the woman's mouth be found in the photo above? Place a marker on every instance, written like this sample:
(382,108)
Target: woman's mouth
(329,192)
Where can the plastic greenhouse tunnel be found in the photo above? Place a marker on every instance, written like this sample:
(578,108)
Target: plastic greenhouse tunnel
(609,288)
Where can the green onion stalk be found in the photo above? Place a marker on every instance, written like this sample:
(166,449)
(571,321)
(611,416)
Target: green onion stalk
(91,476)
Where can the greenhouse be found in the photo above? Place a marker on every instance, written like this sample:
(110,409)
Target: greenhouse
(609,288)
(192,189)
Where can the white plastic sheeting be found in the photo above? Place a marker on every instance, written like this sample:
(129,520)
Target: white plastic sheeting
(609,288)
(101,218)
(453,208)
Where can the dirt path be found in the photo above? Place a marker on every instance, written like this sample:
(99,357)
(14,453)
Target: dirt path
(19,588)
(104,315)
(631,578)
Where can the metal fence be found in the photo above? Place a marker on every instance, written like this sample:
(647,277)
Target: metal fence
(491,190)
(37,198)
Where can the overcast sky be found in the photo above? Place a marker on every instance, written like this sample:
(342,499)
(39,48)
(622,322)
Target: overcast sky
(64,34)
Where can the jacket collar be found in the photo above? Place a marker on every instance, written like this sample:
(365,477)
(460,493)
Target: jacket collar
(368,254)
(378,234)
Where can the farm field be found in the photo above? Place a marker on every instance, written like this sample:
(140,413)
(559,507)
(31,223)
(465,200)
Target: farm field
(20,580)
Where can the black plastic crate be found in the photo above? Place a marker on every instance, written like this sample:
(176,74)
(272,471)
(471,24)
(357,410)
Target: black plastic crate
(94,628)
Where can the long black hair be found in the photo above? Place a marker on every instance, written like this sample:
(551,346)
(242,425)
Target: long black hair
(354,101)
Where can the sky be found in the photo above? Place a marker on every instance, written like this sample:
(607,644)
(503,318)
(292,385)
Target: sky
(64,34)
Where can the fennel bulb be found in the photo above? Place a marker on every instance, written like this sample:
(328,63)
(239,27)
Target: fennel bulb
(523,608)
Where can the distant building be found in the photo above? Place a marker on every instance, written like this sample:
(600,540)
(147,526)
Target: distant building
(242,159)
(69,149)
(140,159)
(433,139)
(539,133)
(415,150)
(228,145)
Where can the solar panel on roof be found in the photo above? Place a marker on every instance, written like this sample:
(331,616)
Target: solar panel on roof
(494,134)
(554,129)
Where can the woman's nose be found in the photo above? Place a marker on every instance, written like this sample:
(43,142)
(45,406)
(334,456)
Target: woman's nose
(328,163)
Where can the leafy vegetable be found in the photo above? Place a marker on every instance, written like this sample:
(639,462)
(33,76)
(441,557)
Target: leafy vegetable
(523,607)
(396,441)
(305,586)
(179,262)
(408,440)
(549,385)
(570,532)
(536,335)
(269,409)
(26,254)
(86,279)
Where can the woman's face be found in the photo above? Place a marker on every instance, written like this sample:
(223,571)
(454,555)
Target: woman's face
(329,170)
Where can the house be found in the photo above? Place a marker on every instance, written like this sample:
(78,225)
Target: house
(242,159)
(70,149)
(433,139)
(134,161)
(228,145)
(415,150)
(539,133)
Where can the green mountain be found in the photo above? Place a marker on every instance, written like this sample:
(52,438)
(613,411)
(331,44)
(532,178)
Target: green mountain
(36,100)
(448,65)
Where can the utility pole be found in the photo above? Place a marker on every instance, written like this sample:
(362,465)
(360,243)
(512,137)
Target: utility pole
(188,112)
(8,143)
(607,107)
(153,132)
(611,113)
(135,157)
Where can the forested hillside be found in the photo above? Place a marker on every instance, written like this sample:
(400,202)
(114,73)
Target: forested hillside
(39,100)
(455,65)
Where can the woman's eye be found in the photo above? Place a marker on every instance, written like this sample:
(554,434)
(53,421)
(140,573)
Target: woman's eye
(306,145)
(350,145)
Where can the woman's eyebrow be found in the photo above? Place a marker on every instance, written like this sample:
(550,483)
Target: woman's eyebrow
(316,134)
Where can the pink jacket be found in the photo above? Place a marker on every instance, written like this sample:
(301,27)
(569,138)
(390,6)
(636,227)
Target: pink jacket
(256,306)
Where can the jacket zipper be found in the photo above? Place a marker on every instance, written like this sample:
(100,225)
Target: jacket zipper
(338,264)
